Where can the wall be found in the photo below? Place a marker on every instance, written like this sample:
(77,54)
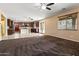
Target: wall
(51,27)
(0,29)
(3,24)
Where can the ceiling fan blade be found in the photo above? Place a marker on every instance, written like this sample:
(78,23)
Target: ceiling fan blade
(48,8)
(50,4)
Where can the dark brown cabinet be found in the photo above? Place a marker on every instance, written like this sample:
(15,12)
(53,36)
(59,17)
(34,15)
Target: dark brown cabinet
(10,27)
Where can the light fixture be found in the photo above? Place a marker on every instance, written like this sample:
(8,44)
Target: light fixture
(43,6)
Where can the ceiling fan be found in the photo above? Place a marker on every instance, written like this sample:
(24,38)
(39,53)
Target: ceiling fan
(46,5)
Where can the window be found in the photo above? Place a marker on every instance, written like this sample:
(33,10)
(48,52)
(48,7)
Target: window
(68,22)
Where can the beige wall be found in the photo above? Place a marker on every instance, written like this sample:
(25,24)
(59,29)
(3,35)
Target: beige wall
(51,27)
(3,24)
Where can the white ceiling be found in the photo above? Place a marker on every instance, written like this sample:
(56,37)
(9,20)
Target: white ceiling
(22,11)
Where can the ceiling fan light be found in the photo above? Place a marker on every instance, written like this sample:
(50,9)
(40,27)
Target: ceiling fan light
(43,7)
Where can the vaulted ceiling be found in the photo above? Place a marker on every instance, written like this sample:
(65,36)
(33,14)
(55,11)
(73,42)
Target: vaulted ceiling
(25,11)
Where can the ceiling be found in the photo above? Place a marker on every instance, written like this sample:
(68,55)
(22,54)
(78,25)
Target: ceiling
(23,11)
